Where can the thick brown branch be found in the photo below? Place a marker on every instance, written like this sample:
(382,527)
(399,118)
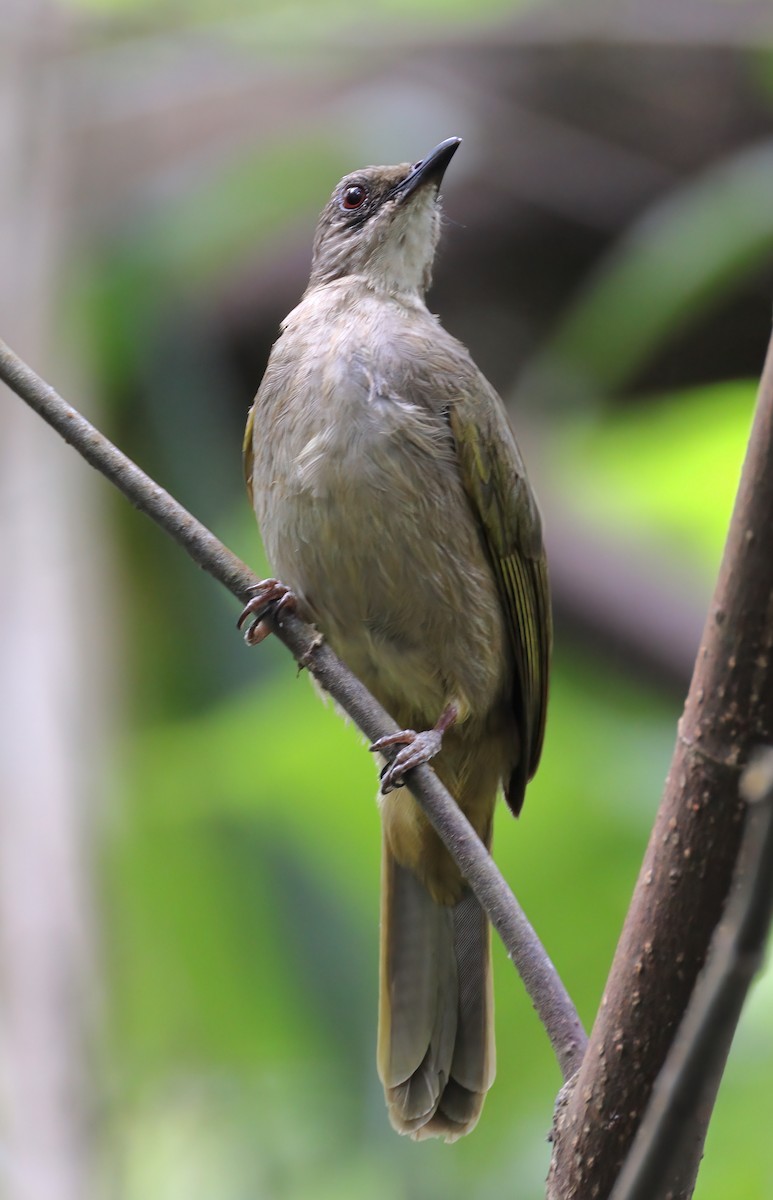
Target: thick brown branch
(688,867)
(543,984)
(688,1084)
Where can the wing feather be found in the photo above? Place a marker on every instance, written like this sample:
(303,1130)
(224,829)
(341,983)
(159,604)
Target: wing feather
(495,481)
(247,453)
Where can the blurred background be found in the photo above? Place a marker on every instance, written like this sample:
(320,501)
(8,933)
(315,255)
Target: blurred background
(189,843)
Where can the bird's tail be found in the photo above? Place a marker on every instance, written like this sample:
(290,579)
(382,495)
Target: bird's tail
(436,1011)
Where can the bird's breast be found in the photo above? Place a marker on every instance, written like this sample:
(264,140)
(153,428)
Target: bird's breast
(364,514)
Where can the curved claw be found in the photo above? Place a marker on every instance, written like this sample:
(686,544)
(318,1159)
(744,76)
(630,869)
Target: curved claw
(417,749)
(267,594)
(255,633)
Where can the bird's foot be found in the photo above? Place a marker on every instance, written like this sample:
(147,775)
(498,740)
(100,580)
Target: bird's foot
(417,749)
(268,594)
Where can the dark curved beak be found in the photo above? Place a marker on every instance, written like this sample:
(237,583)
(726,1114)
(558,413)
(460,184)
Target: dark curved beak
(430,170)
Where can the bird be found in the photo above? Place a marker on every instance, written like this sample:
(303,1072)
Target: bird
(395,509)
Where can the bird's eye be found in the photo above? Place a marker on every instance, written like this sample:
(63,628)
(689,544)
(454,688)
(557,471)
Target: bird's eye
(354,196)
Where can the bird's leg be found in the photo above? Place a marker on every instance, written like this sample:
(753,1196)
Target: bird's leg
(267,594)
(417,748)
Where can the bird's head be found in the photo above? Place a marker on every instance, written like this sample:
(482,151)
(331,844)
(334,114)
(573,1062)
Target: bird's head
(382,224)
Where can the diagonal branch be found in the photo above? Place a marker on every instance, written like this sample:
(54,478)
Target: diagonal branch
(688,867)
(549,997)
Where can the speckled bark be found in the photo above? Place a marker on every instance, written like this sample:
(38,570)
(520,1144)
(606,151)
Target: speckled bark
(689,861)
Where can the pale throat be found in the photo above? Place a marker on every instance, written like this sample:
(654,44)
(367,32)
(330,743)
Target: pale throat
(402,263)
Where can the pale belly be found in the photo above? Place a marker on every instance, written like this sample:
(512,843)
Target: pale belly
(377,538)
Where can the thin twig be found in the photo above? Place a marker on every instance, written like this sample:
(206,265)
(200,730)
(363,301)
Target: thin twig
(547,992)
(696,1062)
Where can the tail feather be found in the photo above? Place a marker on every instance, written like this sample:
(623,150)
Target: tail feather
(473,1062)
(436,1048)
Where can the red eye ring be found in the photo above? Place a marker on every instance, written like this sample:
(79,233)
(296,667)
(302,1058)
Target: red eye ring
(353,196)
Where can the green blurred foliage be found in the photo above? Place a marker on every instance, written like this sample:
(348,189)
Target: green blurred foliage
(161,259)
(672,465)
(676,263)
(303,19)
(239,881)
